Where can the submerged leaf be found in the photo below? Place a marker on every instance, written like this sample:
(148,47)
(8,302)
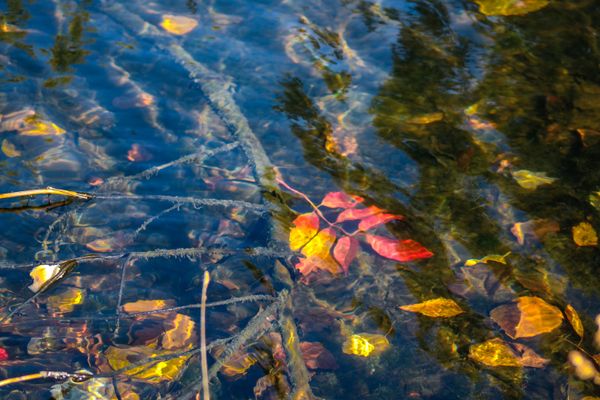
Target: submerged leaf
(531,180)
(399,250)
(66,301)
(365,344)
(316,356)
(494,353)
(36,126)
(345,251)
(237,364)
(181,335)
(9,149)
(573,318)
(306,226)
(436,308)
(177,24)
(510,7)
(147,305)
(168,370)
(41,274)
(425,119)
(317,253)
(340,200)
(501,259)
(584,234)
(584,367)
(528,316)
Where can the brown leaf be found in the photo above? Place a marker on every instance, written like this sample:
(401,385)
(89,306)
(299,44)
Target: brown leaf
(528,316)
(316,356)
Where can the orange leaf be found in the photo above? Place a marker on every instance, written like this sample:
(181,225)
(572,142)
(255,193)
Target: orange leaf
(354,213)
(147,305)
(436,308)
(399,250)
(315,263)
(344,252)
(574,319)
(340,200)
(375,220)
(177,24)
(528,316)
(306,226)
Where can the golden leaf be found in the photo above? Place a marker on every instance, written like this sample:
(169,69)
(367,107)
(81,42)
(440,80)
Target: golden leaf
(9,149)
(169,370)
(181,335)
(584,234)
(426,119)
(574,319)
(510,7)
(584,367)
(436,308)
(320,245)
(531,180)
(501,259)
(494,353)
(365,344)
(35,126)
(527,316)
(66,301)
(237,364)
(147,305)
(177,24)
(41,274)
(595,200)
(306,226)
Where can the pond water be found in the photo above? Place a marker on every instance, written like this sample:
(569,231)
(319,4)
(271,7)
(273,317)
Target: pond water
(394,199)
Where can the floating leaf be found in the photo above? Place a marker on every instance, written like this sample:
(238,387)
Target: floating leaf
(316,356)
(122,356)
(345,251)
(528,316)
(573,318)
(358,213)
(377,219)
(365,344)
(425,119)
(436,308)
(34,126)
(494,353)
(41,274)
(147,305)
(177,24)
(584,234)
(501,259)
(9,149)
(306,227)
(510,7)
(340,200)
(399,250)
(531,180)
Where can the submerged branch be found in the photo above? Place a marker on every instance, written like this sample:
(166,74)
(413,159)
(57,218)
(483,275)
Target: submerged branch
(204,359)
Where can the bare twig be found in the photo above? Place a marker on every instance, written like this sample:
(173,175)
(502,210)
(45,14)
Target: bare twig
(48,190)
(204,360)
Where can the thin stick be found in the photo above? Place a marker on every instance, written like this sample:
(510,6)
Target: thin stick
(48,190)
(204,359)
(58,375)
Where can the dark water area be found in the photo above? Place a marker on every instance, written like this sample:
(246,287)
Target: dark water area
(327,162)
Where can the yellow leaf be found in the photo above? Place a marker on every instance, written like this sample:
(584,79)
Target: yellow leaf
(494,353)
(510,7)
(585,235)
(181,335)
(365,344)
(121,357)
(9,149)
(67,300)
(177,24)
(595,200)
(34,126)
(436,308)
(237,364)
(320,245)
(147,305)
(501,259)
(584,367)
(306,226)
(426,119)
(41,274)
(528,316)
(531,180)
(574,319)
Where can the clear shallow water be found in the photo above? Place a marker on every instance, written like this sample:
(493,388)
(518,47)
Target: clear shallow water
(429,110)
